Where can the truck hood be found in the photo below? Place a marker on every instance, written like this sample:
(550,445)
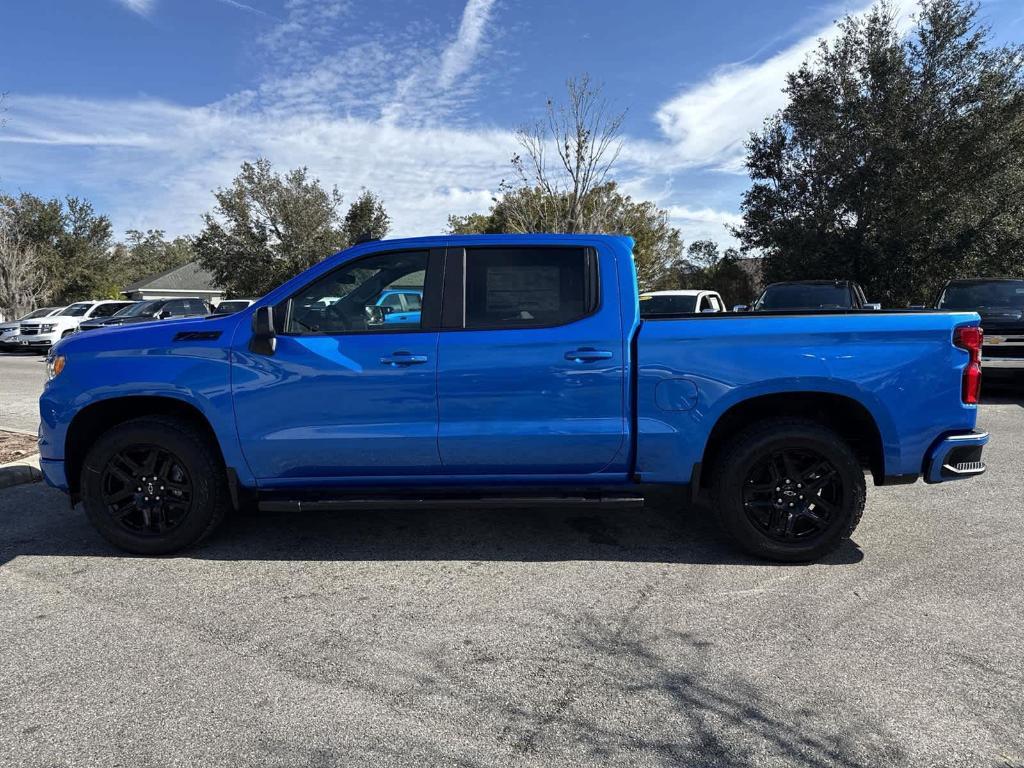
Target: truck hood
(151,335)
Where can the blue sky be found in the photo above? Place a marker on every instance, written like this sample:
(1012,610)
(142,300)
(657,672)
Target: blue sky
(145,106)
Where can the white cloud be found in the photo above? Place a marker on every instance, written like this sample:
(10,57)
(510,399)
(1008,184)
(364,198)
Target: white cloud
(244,7)
(141,7)
(458,57)
(704,224)
(708,122)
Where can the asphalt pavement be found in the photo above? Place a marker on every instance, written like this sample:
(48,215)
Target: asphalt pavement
(22,376)
(523,638)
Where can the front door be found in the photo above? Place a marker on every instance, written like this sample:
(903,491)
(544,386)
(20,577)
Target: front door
(346,393)
(532,380)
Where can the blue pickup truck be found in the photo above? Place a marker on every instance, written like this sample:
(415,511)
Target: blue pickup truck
(528,377)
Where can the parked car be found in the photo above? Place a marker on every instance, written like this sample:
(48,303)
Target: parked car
(43,333)
(230,306)
(9,332)
(810,295)
(1001,306)
(148,311)
(679,302)
(528,378)
(401,305)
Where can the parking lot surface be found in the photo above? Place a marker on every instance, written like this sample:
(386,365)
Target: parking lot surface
(21,380)
(534,638)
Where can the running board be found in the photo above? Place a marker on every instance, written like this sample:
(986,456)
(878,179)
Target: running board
(440,502)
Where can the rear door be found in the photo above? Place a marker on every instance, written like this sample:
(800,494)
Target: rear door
(531,362)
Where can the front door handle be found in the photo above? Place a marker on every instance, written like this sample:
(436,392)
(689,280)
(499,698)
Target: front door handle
(588,355)
(399,359)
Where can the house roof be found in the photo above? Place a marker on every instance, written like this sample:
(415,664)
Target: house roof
(187,277)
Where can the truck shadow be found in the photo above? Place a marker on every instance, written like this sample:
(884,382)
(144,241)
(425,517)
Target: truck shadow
(36,521)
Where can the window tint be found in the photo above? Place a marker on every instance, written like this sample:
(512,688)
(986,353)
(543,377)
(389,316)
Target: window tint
(522,287)
(106,310)
(77,310)
(1006,294)
(176,307)
(807,296)
(651,305)
(349,299)
(413,301)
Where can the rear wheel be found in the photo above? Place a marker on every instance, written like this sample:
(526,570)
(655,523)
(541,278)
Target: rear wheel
(789,490)
(153,486)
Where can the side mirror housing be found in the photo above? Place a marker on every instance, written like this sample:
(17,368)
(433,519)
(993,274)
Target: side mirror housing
(264,338)
(163,315)
(741,308)
(375,315)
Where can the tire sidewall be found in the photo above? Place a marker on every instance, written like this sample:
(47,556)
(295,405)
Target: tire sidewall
(188,449)
(754,449)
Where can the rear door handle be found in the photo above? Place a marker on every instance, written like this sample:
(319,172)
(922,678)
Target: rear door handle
(588,355)
(399,359)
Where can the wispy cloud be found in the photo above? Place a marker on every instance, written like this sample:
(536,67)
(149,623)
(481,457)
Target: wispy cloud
(141,7)
(708,122)
(458,56)
(247,8)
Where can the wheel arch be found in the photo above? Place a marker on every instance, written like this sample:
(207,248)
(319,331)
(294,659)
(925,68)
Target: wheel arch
(848,417)
(102,415)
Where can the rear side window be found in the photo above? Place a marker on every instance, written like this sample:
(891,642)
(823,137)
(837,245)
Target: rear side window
(527,287)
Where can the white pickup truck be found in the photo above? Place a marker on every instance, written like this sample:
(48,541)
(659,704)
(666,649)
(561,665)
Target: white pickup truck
(42,333)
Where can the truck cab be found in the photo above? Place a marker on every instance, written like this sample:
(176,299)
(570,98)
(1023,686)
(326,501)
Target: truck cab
(528,377)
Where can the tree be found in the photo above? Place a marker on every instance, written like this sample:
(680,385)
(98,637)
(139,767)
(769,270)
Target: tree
(20,273)
(896,162)
(366,218)
(574,191)
(584,138)
(148,253)
(266,228)
(72,243)
(709,269)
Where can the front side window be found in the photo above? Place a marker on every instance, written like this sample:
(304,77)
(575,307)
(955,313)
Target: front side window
(359,297)
(523,287)
(106,310)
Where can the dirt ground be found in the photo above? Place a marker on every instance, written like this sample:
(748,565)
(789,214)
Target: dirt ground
(14,446)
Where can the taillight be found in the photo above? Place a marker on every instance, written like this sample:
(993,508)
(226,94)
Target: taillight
(969,338)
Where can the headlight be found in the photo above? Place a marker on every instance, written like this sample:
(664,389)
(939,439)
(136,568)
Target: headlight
(48,328)
(54,365)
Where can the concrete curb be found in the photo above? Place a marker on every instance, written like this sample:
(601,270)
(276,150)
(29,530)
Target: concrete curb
(24,470)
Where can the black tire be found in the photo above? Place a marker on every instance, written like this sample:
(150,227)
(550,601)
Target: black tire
(186,462)
(67,333)
(783,522)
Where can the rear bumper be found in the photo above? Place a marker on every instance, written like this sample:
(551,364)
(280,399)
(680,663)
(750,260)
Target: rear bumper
(956,457)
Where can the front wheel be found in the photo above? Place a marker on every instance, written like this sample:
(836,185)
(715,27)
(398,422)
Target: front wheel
(789,490)
(153,486)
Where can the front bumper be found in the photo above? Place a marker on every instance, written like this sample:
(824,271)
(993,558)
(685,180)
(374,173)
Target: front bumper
(53,473)
(956,457)
(38,340)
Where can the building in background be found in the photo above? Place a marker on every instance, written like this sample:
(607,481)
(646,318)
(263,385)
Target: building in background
(187,280)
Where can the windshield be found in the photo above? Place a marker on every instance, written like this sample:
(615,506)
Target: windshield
(38,313)
(227,307)
(77,310)
(142,308)
(666,305)
(1008,294)
(806,296)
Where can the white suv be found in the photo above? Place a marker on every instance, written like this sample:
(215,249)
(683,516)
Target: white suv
(9,330)
(42,334)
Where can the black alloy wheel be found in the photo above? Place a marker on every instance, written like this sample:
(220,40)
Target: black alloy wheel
(147,490)
(792,495)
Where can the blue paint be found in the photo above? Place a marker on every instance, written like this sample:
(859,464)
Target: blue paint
(531,406)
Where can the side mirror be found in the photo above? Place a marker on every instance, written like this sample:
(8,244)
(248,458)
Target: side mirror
(264,338)
(741,308)
(163,315)
(375,315)
(873,305)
